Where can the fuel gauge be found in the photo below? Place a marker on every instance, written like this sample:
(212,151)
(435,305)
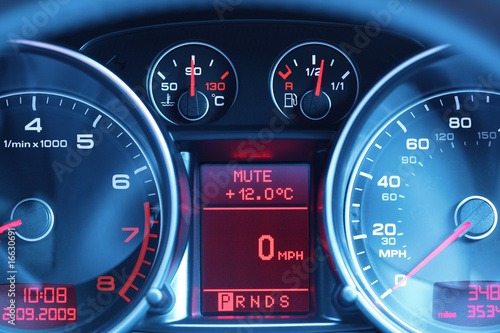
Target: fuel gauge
(191,82)
(316,81)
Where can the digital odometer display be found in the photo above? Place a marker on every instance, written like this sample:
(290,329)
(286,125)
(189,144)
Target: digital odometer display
(255,239)
(467,303)
(38,306)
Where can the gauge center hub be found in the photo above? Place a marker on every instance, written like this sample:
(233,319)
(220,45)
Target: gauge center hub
(480,212)
(315,107)
(37,219)
(193,108)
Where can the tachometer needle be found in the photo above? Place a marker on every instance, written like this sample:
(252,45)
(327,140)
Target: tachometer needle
(192,77)
(457,233)
(9,225)
(320,78)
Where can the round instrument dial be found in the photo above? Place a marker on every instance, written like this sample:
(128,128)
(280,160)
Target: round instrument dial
(191,82)
(314,81)
(421,214)
(81,212)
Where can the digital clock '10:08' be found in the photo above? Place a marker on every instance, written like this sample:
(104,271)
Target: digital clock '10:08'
(38,305)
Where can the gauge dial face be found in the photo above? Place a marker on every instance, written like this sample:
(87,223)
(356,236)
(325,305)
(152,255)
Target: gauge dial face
(314,81)
(421,214)
(191,82)
(81,214)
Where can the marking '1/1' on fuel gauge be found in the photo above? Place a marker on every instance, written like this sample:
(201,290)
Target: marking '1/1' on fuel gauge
(191,82)
(316,81)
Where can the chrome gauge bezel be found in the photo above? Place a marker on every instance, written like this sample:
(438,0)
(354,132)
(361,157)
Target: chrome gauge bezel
(353,178)
(95,84)
(402,89)
(361,126)
(278,62)
(159,58)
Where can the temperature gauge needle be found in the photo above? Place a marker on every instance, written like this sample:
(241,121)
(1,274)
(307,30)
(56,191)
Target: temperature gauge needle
(457,233)
(320,78)
(9,225)
(192,78)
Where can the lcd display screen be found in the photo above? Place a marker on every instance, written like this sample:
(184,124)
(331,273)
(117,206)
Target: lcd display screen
(467,303)
(37,306)
(255,239)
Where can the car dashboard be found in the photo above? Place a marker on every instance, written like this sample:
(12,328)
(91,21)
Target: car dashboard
(230,168)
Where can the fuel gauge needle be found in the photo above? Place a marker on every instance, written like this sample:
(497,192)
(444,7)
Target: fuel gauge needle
(459,231)
(320,78)
(9,225)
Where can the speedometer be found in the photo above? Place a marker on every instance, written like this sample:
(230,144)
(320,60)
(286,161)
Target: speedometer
(421,214)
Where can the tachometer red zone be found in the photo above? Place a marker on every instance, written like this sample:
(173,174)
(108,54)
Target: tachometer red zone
(142,254)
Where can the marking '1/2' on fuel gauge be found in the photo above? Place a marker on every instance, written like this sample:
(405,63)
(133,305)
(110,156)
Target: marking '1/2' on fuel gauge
(314,81)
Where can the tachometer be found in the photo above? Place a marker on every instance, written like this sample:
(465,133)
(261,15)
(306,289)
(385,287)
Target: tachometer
(421,214)
(70,165)
(86,205)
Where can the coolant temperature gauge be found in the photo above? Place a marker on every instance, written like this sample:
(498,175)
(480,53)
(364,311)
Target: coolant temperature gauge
(316,81)
(192,82)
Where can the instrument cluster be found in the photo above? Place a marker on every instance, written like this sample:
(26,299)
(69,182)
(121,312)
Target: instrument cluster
(272,175)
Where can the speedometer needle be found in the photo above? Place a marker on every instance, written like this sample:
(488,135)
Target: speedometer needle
(9,225)
(457,233)
(320,78)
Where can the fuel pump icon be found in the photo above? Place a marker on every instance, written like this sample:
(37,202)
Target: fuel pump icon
(291,100)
